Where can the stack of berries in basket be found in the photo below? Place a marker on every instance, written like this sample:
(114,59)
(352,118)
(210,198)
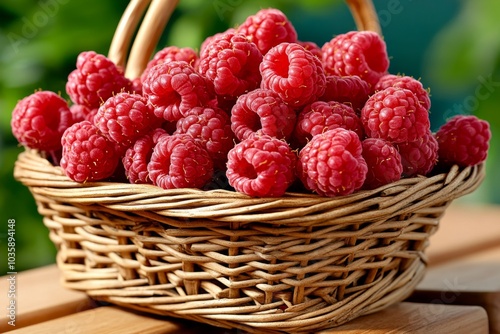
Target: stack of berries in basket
(257,105)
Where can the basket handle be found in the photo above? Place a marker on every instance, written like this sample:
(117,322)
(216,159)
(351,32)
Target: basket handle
(157,16)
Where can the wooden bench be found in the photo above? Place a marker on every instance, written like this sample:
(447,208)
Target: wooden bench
(460,293)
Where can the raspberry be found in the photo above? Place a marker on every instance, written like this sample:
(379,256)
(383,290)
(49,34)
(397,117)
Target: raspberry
(351,90)
(209,39)
(136,158)
(383,161)
(396,115)
(179,161)
(331,164)
(294,73)
(361,53)
(261,166)
(268,28)
(39,120)
(168,54)
(321,116)
(231,62)
(463,140)
(87,155)
(312,47)
(125,117)
(82,113)
(403,81)
(174,88)
(95,79)
(418,157)
(212,128)
(262,111)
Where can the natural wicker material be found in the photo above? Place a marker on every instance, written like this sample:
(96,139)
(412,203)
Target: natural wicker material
(297,263)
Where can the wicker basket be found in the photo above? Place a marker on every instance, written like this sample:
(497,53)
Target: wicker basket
(298,263)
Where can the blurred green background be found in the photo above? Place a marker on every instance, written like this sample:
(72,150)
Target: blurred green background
(452,46)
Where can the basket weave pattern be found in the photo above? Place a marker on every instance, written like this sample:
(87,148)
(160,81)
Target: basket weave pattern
(296,263)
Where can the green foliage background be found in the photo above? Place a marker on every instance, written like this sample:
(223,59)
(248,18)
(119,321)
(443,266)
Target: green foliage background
(452,46)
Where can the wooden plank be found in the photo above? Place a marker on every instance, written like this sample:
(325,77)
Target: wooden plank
(400,318)
(471,280)
(39,297)
(464,229)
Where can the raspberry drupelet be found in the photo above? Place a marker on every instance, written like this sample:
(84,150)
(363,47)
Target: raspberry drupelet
(268,28)
(261,166)
(231,62)
(396,115)
(463,140)
(87,155)
(294,73)
(39,120)
(361,53)
(95,79)
(263,111)
(331,164)
(174,88)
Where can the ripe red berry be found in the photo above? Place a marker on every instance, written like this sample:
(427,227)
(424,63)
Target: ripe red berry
(294,73)
(82,113)
(418,157)
(312,47)
(179,161)
(231,62)
(136,158)
(39,120)
(268,28)
(171,53)
(331,164)
(410,83)
(361,53)
(125,117)
(261,166)
(321,116)
(351,90)
(463,140)
(211,127)
(174,88)
(396,115)
(87,155)
(263,111)
(383,161)
(95,79)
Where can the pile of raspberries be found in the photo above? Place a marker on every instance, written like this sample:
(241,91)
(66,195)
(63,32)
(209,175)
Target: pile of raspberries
(255,107)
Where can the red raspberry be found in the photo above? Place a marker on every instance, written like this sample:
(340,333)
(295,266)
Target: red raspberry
(179,161)
(82,113)
(95,79)
(351,90)
(39,120)
(418,157)
(268,28)
(212,128)
(174,88)
(231,62)
(136,86)
(87,155)
(331,164)
(168,54)
(294,73)
(403,81)
(261,166)
(463,140)
(384,163)
(321,116)
(396,115)
(361,53)
(262,111)
(136,158)
(312,47)
(125,117)
(210,38)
